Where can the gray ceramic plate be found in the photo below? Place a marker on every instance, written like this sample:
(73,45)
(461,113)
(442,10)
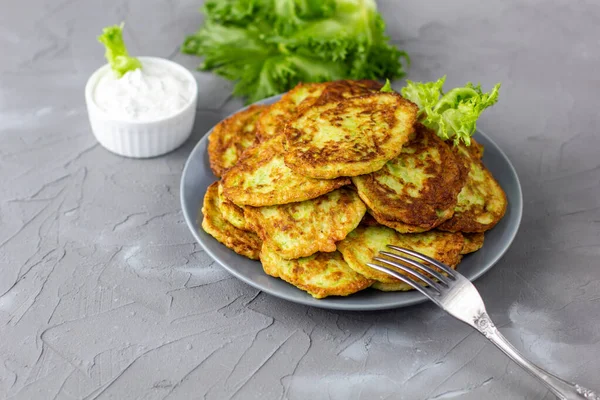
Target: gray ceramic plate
(197,176)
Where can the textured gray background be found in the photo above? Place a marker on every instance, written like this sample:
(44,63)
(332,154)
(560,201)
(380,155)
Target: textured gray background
(103,292)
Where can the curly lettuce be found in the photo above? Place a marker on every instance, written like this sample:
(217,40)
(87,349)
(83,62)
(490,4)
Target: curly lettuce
(269,46)
(452,115)
(116,52)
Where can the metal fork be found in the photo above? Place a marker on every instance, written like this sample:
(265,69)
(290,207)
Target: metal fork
(456,295)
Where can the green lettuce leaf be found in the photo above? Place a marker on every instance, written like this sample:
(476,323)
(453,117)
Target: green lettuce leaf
(268,46)
(452,115)
(424,95)
(116,53)
(259,70)
(387,87)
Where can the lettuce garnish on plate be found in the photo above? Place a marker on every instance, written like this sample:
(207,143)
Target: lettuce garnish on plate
(452,115)
(116,53)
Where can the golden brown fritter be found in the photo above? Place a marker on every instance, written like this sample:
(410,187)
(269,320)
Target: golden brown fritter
(261,178)
(398,226)
(351,137)
(231,137)
(321,275)
(365,242)
(231,212)
(473,242)
(417,190)
(343,89)
(272,120)
(245,243)
(301,229)
(481,202)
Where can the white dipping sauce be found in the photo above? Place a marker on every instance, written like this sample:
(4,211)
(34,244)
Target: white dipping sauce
(153,92)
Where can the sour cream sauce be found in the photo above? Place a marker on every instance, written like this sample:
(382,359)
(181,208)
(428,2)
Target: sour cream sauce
(152,92)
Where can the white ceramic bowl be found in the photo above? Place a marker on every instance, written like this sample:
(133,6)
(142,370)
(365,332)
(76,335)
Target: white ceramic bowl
(140,139)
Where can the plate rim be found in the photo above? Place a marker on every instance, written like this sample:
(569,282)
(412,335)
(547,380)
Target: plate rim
(191,223)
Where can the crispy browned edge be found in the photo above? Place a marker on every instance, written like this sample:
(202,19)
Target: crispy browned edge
(217,143)
(245,243)
(288,108)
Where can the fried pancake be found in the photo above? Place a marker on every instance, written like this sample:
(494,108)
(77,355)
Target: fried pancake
(321,275)
(343,89)
(351,137)
(261,178)
(365,242)
(301,229)
(247,244)
(417,190)
(272,120)
(231,212)
(398,226)
(481,202)
(231,137)
(473,242)
(370,220)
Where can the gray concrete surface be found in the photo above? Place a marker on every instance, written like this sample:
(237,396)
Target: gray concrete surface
(104,294)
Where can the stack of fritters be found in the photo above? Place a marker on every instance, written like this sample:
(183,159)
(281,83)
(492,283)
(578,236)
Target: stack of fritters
(318,183)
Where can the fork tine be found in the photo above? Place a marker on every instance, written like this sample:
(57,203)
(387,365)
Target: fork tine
(412,272)
(443,279)
(403,278)
(423,257)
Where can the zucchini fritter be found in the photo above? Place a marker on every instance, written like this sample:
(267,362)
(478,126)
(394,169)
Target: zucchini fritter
(364,243)
(231,137)
(351,137)
(321,275)
(231,212)
(473,242)
(417,190)
(272,120)
(398,226)
(261,178)
(344,89)
(301,229)
(481,202)
(245,243)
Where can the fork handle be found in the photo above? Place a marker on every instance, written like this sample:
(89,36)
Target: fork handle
(562,389)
